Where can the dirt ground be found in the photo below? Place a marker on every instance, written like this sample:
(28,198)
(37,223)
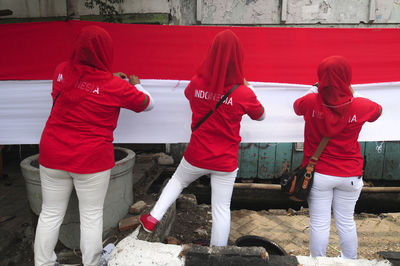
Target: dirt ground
(192,224)
(289,229)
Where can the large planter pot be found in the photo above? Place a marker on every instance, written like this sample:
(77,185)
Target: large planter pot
(116,205)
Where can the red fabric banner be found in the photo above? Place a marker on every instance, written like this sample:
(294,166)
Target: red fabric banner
(284,55)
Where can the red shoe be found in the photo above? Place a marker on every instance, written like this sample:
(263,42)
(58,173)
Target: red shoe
(148,222)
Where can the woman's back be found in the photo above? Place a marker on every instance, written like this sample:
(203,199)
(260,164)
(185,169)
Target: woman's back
(342,155)
(214,145)
(79,138)
(86,102)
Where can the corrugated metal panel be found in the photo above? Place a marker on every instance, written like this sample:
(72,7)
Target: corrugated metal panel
(248,158)
(283,157)
(266,160)
(391,164)
(375,156)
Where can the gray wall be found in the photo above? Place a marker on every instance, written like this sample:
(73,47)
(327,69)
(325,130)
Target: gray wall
(315,13)
(292,12)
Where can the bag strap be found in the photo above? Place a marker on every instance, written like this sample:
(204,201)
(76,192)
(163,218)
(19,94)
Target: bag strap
(55,99)
(216,106)
(320,149)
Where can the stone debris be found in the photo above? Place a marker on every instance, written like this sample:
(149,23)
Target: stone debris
(163,159)
(173,241)
(394,216)
(367,215)
(303,211)
(277,212)
(201,232)
(290,211)
(186,201)
(129,223)
(138,207)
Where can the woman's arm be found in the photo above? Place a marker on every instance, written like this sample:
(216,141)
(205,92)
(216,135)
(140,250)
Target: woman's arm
(135,81)
(255,109)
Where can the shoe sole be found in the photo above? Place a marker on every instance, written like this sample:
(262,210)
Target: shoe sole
(144,228)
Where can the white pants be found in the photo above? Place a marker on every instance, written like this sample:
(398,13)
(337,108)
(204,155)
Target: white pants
(221,194)
(56,190)
(340,194)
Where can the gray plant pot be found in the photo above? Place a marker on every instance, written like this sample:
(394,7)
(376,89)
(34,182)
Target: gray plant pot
(118,199)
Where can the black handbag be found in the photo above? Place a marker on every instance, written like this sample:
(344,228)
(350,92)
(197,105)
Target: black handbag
(297,183)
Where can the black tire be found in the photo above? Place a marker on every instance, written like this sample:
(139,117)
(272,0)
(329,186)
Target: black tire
(256,241)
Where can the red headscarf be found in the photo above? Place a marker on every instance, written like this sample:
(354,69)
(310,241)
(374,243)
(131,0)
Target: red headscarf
(90,61)
(334,94)
(223,65)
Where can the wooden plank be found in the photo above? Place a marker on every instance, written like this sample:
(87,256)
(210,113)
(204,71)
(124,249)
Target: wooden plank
(283,158)
(248,160)
(375,153)
(391,165)
(266,160)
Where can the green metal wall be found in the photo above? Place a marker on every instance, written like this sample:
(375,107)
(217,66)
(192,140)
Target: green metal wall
(269,160)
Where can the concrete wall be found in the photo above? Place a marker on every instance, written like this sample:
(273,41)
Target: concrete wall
(131,7)
(298,11)
(230,12)
(35,8)
(54,8)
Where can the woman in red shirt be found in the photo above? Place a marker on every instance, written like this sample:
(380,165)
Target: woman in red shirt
(214,146)
(334,111)
(76,147)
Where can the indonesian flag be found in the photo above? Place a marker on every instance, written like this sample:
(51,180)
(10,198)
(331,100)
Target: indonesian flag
(281,64)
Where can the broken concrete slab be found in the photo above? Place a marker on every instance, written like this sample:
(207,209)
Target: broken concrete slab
(132,251)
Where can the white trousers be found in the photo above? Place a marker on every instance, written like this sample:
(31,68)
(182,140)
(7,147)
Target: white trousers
(340,194)
(56,190)
(221,194)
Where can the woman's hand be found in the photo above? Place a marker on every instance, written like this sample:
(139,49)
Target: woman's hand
(134,80)
(120,75)
(245,82)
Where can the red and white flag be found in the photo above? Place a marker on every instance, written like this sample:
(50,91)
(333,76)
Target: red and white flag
(280,63)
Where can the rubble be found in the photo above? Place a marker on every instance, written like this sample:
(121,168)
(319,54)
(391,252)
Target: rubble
(173,241)
(129,223)
(138,207)
(164,159)
(186,201)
